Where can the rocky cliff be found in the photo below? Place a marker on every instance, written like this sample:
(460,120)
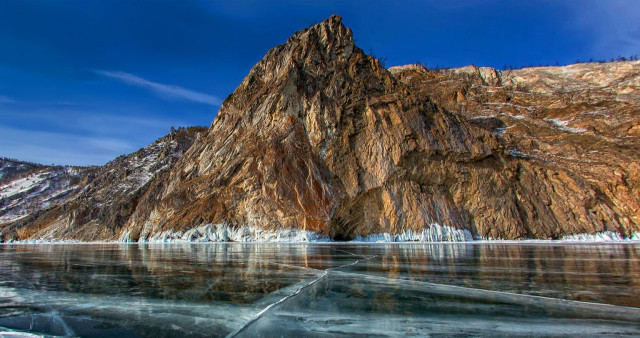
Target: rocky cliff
(574,131)
(321,137)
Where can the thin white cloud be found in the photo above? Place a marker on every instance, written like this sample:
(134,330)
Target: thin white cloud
(163,90)
(95,122)
(612,25)
(6,99)
(60,148)
(75,136)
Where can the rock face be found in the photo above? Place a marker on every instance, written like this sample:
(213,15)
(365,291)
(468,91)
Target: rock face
(573,130)
(91,203)
(319,137)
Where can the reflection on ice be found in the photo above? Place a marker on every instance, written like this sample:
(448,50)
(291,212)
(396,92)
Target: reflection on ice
(287,289)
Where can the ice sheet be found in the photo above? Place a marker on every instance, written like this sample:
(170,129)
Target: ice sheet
(308,289)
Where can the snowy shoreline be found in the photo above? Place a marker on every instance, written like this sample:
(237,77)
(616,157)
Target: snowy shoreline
(436,234)
(475,242)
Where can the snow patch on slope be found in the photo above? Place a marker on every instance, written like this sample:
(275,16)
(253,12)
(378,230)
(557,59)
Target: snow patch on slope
(564,126)
(145,166)
(36,191)
(399,69)
(22,185)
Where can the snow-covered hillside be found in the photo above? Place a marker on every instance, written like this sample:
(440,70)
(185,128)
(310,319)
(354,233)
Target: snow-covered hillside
(26,188)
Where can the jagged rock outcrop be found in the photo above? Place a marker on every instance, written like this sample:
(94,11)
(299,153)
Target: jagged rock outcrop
(319,136)
(97,206)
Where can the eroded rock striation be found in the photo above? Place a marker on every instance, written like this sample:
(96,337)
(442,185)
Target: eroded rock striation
(321,138)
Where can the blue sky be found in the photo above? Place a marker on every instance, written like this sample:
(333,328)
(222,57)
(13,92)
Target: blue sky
(82,82)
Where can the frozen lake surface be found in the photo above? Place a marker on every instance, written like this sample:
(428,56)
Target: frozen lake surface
(166,290)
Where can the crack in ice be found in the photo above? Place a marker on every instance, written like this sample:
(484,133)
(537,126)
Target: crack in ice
(284,299)
(261,313)
(294,266)
(67,330)
(349,252)
(366,258)
(52,312)
(513,295)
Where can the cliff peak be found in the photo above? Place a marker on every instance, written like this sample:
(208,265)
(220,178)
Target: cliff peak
(331,29)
